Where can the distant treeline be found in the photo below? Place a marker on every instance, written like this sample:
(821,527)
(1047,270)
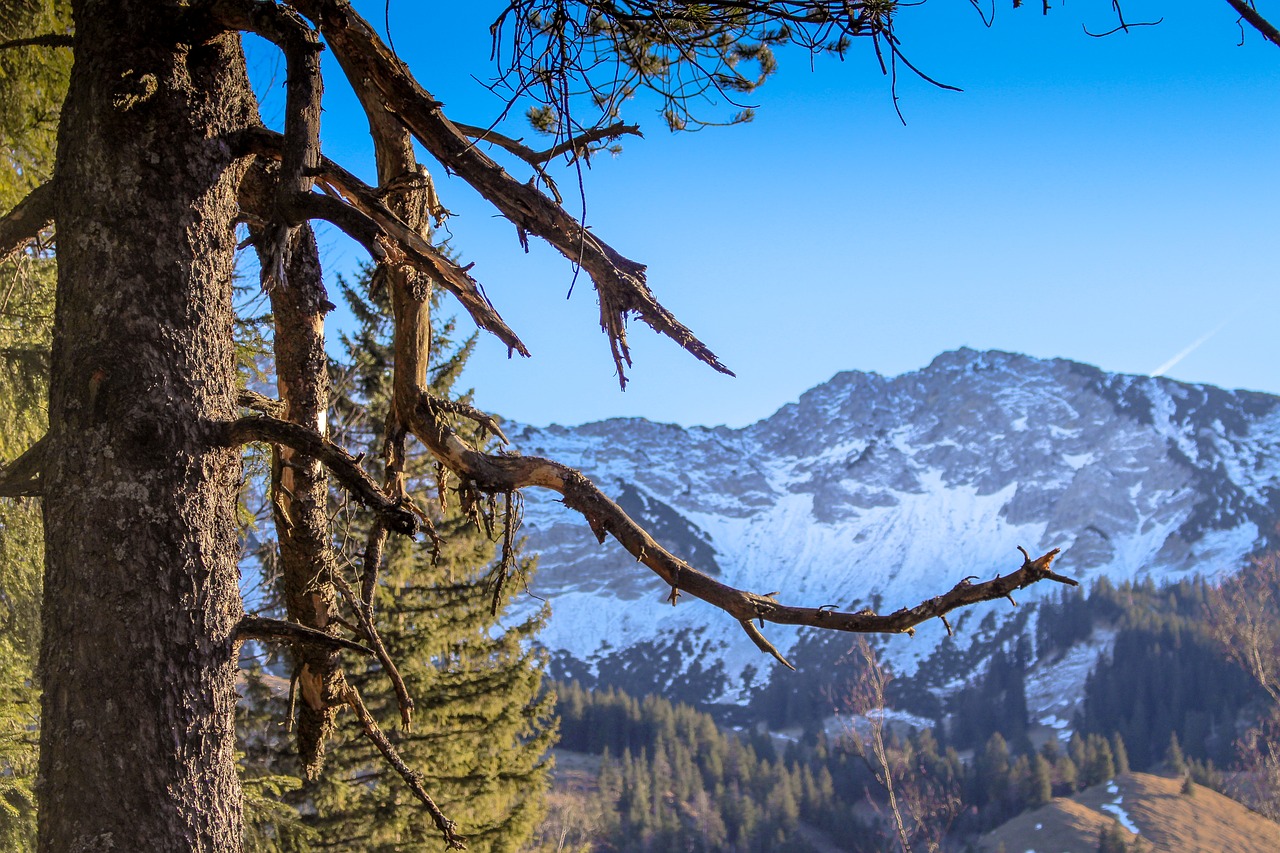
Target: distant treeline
(1164,699)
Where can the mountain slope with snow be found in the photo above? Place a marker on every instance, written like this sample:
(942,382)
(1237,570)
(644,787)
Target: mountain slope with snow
(887,491)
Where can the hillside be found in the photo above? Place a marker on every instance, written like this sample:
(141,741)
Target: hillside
(1165,819)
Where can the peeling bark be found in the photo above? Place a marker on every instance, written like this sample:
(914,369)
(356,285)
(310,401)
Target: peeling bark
(300,490)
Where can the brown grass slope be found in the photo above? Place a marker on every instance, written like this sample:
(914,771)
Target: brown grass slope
(1167,820)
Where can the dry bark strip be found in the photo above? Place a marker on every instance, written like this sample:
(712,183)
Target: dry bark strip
(299,481)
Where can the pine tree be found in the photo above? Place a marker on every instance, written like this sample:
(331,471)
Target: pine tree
(1120,753)
(482,724)
(1041,792)
(1173,757)
(32,83)
(1113,839)
(1099,763)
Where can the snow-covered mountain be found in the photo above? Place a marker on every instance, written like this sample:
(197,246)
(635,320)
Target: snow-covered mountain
(890,490)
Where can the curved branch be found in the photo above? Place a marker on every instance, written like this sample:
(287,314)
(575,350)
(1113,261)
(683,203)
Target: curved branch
(619,281)
(25,222)
(248,399)
(368,221)
(344,466)
(606,518)
(1246,11)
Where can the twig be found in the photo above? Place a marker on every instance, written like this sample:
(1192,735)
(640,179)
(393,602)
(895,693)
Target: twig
(412,778)
(364,614)
(1247,11)
(575,144)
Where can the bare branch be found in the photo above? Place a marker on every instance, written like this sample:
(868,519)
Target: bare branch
(21,477)
(576,144)
(363,216)
(364,614)
(1250,14)
(25,222)
(485,420)
(344,466)
(620,282)
(262,628)
(46,40)
(412,778)
(248,399)
(507,473)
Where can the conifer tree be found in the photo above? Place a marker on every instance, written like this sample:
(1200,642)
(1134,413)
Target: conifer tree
(481,724)
(32,82)
(1120,753)
(1173,757)
(1041,791)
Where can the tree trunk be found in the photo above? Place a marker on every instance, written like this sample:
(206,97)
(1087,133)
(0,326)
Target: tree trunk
(140,599)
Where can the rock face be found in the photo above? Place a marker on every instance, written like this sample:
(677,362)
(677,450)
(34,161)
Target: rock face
(887,491)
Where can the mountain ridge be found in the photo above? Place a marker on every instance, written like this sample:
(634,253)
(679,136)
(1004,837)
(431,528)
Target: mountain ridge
(886,491)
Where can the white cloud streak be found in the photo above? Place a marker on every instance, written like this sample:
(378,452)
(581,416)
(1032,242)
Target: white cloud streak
(1196,344)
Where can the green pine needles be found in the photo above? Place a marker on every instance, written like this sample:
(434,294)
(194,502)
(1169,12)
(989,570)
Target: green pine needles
(482,723)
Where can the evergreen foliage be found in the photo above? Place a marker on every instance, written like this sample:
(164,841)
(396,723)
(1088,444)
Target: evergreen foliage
(1165,675)
(1113,839)
(33,81)
(680,783)
(482,724)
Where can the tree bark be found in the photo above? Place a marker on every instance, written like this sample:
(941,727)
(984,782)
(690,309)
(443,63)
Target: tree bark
(141,602)
(300,492)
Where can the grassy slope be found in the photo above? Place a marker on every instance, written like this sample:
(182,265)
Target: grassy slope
(1168,821)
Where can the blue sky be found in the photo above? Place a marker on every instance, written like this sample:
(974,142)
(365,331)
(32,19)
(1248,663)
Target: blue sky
(1111,201)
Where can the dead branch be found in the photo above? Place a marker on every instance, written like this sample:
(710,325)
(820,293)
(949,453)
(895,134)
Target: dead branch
(278,630)
(46,40)
(411,777)
(344,466)
(507,473)
(249,399)
(21,477)
(619,281)
(364,615)
(486,421)
(575,145)
(25,222)
(1246,11)
(363,216)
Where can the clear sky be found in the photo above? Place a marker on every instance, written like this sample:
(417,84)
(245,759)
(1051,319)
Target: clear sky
(1115,201)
